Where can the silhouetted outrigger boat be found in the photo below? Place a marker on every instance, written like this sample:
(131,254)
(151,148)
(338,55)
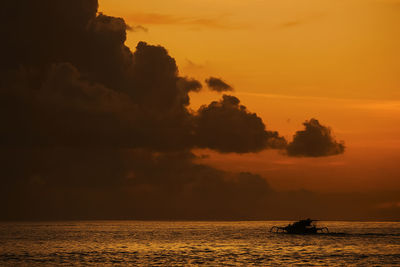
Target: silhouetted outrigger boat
(300,227)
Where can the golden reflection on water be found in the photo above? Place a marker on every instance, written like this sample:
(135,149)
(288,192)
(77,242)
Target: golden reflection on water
(194,243)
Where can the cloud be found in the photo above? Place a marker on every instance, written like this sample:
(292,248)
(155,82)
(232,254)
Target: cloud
(190,85)
(388,3)
(218,85)
(193,65)
(69,183)
(165,19)
(292,23)
(92,129)
(315,141)
(137,28)
(300,21)
(227,126)
(81,85)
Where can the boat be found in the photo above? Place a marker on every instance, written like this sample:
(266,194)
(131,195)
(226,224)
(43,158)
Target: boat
(306,226)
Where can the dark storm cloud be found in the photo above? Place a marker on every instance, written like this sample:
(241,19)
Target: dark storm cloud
(190,85)
(227,126)
(69,183)
(218,85)
(91,129)
(66,111)
(37,32)
(315,140)
(81,86)
(156,84)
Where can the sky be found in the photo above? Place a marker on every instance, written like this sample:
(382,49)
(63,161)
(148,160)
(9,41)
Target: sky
(290,61)
(200,110)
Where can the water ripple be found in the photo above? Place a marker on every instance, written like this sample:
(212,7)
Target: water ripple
(195,243)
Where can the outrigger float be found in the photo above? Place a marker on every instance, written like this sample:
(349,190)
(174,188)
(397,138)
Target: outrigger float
(300,227)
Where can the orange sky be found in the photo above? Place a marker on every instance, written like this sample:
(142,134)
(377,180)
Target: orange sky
(289,61)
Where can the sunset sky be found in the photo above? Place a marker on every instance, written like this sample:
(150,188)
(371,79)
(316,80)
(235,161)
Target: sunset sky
(200,110)
(289,61)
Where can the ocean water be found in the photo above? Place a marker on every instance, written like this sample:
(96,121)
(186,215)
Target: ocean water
(136,243)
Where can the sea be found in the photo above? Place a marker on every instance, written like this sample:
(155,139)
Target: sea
(144,243)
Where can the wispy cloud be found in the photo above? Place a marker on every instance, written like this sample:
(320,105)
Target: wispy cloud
(300,21)
(192,65)
(382,105)
(356,103)
(292,23)
(166,19)
(278,96)
(137,28)
(389,2)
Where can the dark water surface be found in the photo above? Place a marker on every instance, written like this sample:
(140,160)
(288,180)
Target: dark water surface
(195,243)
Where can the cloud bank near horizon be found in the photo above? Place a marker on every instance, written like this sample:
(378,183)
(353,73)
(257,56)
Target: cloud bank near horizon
(87,121)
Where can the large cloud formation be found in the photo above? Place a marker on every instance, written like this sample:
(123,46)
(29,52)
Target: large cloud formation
(70,80)
(92,130)
(315,140)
